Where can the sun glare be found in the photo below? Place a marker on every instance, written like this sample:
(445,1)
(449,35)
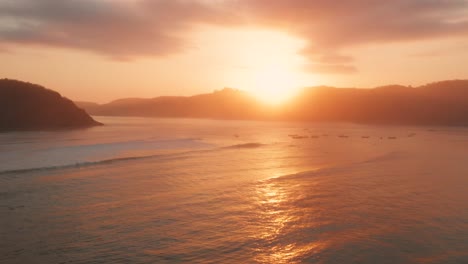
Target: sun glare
(265,63)
(274,84)
(273,66)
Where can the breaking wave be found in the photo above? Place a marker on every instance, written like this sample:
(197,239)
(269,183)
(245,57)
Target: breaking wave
(123,159)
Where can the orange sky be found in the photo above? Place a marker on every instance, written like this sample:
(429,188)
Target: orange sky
(100,50)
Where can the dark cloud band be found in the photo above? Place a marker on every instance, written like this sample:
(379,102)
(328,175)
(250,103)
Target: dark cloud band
(128,29)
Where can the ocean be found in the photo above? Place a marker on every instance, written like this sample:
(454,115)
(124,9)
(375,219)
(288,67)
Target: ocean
(141,190)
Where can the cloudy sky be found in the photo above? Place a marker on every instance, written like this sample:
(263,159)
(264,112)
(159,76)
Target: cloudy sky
(99,50)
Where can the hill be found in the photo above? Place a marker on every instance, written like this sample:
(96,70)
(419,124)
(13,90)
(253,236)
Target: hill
(440,103)
(224,104)
(26,106)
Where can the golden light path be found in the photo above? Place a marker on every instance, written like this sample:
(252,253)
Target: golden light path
(280,216)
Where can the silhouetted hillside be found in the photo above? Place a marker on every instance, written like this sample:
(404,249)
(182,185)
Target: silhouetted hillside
(26,106)
(88,106)
(225,104)
(441,103)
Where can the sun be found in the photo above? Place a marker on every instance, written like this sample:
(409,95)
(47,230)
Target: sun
(274,84)
(265,63)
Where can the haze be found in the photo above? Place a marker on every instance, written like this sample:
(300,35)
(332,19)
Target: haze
(101,50)
(234,131)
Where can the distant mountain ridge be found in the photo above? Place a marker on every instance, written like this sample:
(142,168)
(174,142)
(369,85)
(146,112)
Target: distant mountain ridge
(224,104)
(26,106)
(439,103)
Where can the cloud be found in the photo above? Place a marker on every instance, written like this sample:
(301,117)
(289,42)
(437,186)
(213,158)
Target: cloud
(125,29)
(119,29)
(331,27)
(451,50)
(329,63)
(324,68)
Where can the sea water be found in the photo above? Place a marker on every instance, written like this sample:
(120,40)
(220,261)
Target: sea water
(141,190)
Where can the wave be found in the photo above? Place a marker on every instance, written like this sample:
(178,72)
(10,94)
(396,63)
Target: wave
(97,163)
(123,159)
(384,157)
(337,168)
(77,165)
(245,145)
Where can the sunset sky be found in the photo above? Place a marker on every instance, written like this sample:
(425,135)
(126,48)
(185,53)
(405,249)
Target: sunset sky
(101,50)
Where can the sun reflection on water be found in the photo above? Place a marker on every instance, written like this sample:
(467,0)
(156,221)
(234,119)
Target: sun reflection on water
(279,218)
